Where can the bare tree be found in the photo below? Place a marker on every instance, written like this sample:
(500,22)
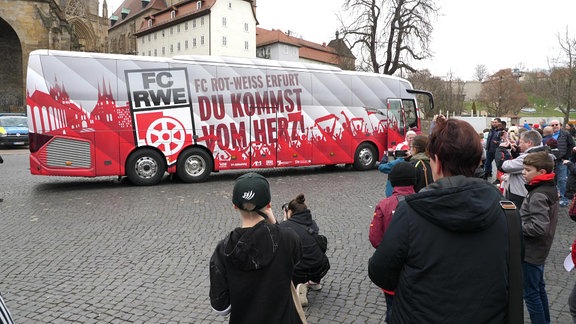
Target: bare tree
(448,94)
(502,94)
(388,35)
(480,72)
(563,76)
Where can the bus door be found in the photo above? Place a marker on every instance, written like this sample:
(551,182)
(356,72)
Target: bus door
(396,122)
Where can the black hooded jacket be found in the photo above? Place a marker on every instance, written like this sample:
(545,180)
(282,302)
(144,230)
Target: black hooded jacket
(314,263)
(251,271)
(445,254)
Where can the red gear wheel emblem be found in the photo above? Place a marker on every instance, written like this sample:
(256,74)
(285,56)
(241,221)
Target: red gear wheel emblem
(167,134)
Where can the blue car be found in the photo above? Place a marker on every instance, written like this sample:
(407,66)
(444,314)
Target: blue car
(13,130)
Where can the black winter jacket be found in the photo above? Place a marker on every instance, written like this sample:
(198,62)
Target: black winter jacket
(251,271)
(445,254)
(314,263)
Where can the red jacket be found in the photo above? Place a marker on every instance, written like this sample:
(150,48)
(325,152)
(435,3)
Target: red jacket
(383,213)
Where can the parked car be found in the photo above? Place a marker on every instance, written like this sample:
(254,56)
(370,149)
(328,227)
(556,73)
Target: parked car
(13,129)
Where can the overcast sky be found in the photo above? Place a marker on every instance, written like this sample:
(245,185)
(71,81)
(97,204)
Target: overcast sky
(496,33)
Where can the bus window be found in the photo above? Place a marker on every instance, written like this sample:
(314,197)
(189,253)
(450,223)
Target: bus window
(410,113)
(396,122)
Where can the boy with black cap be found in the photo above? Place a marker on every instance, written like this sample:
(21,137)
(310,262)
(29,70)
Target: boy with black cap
(403,178)
(251,269)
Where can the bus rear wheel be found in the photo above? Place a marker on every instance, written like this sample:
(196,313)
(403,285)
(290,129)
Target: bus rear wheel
(365,157)
(194,165)
(145,167)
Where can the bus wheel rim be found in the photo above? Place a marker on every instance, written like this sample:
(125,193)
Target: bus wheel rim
(195,165)
(366,156)
(146,167)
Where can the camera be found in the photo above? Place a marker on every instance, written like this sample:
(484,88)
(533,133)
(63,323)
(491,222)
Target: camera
(400,154)
(285,207)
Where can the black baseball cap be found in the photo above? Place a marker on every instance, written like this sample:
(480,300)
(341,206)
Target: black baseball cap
(251,188)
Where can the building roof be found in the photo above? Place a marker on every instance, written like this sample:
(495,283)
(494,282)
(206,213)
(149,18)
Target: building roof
(131,8)
(307,50)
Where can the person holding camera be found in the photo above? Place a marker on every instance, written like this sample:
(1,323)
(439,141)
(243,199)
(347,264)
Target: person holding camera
(314,263)
(445,252)
(251,268)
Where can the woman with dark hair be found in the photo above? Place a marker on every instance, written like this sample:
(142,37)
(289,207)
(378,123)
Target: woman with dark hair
(421,162)
(445,253)
(314,263)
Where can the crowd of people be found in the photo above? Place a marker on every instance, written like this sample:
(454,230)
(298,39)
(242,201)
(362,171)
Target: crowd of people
(451,245)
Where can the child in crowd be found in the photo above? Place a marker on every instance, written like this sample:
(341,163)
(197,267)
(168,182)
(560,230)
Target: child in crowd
(539,213)
(251,269)
(314,264)
(402,177)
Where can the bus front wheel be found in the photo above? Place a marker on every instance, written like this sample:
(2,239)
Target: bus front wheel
(365,157)
(145,167)
(194,165)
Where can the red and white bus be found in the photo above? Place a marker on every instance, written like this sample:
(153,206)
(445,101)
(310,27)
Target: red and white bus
(93,115)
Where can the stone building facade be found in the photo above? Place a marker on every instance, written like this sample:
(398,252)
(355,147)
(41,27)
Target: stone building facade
(27,25)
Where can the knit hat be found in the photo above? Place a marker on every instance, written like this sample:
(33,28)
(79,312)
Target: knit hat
(251,188)
(402,174)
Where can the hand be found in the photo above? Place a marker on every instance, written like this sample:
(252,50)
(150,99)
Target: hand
(268,211)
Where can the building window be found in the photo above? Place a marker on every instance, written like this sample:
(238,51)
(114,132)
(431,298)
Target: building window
(201,21)
(224,21)
(142,40)
(171,48)
(194,23)
(186,26)
(193,42)
(178,28)
(198,5)
(171,30)
(245,27)
(155,35)
(155,52)
(163,50)
(178,47)
(149,22)
(149,37)
(201,40)
(246,45)
(186,44)
(172,14)
(149,53)
(223,40)
(229,5)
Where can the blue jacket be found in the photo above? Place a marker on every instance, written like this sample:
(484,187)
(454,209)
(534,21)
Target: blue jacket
(386,168)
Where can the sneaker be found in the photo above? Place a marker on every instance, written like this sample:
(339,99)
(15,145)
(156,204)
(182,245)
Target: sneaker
(302,294)
(314,285)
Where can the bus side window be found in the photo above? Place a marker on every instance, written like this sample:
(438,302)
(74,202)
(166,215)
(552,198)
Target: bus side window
(410,112)
(396,121)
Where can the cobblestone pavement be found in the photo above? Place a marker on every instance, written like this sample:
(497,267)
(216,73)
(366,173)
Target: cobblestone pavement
(81,250)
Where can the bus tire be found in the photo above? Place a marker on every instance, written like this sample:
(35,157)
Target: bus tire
(194,165)
(365,157)
(145,167)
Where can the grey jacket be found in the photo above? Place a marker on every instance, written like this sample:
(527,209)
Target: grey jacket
(516,182)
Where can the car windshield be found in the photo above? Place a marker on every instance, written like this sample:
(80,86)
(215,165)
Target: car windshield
(13,121)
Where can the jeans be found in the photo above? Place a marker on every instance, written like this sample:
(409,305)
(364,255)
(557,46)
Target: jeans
(488,164)
(535,295)
(389,299)
(561,171)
